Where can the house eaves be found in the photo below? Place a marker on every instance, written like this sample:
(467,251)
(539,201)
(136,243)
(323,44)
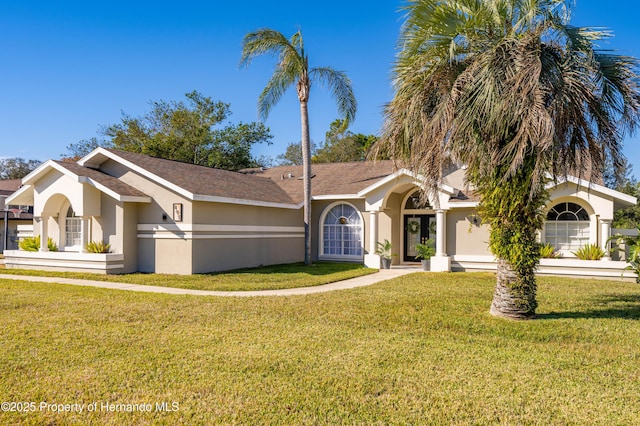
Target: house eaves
(403,172)
(98,156)
(617,195)
(133,194)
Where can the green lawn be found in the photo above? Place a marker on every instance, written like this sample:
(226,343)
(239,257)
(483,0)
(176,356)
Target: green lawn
(421,349)
(263,278)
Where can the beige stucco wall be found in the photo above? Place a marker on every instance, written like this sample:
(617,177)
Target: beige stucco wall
(210,255)
(53,189)
(598,204)
(162,198)
(464,238)
(170,256)
(233,214)
(229,236)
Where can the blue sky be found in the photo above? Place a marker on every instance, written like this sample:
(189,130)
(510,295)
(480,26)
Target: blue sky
(69,67)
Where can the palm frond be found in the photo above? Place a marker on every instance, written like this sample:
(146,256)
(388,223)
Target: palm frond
(493,82)
(265,41)
(280,81)
(341,90)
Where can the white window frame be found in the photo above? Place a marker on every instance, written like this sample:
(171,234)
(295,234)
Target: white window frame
(72,222)
(342,257)
(576,232)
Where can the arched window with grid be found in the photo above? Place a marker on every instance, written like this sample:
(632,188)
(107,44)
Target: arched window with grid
(342,232)
(567,226)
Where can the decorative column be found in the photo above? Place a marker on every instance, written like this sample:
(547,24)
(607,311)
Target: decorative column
(605,234)
(44,233)
(440,233)
(373,231)
(441,262)
(372,260)
(84,233)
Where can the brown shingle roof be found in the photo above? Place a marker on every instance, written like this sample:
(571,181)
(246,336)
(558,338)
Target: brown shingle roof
(114,184)
(9,186)
(206,181)
(328,178)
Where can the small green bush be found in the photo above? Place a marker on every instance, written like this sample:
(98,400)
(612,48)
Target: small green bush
(33,244)
(589,252)
(548,251)
(633,244)
(98,247)
(426,250)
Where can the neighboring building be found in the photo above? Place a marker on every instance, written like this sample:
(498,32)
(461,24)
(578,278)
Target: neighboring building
(169,217)
(17,215)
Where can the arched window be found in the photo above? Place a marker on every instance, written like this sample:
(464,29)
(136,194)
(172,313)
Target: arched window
(415,202)
(567,226)
(342,232)
(73,229)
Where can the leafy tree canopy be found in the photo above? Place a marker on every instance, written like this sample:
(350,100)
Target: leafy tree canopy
(293,154)
(191,132)
(342,145)
(17,168)
(621,179)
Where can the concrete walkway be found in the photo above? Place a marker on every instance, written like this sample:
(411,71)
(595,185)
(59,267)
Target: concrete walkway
(382,275)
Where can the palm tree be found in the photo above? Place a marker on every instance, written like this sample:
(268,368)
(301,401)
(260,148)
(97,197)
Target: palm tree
(293,67)
(511,90)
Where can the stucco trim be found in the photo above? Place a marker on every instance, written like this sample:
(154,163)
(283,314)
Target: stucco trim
(217,228)
(594,186)
(192,236)
(64,260)
(15,198)
(206,232)
(403,172)
(226,200)
(336,197)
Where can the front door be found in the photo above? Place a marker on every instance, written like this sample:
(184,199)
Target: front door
(417,229)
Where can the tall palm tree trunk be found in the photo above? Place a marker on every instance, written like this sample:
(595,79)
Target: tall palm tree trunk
(306,176)
(514,296)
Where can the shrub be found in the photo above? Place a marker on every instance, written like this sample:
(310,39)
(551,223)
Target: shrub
(633,244)
(589,252)
(426,250)
(384,250)
(548,251)
(98,247)
(33,244)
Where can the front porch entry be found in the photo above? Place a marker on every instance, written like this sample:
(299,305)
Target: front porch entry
(397,214)
(418,229)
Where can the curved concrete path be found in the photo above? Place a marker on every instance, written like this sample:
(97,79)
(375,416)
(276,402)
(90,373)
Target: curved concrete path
(382,275)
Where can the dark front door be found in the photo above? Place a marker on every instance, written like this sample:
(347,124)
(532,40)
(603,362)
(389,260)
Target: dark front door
(417,229)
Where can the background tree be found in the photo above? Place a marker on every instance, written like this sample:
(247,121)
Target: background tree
(514,92)
(342,145)
(190,132)
(76,151)
(293,68)
(17,168)
(293,154)
(621,179)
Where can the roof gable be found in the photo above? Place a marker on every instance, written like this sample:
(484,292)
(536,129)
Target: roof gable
(101,181)
(198,183)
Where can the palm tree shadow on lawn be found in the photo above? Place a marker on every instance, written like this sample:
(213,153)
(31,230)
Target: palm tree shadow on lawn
(614,306)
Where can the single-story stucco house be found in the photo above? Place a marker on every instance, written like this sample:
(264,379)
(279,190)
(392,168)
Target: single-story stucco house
(168,217)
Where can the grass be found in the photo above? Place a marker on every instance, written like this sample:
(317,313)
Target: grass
(420,349)
(263,278)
